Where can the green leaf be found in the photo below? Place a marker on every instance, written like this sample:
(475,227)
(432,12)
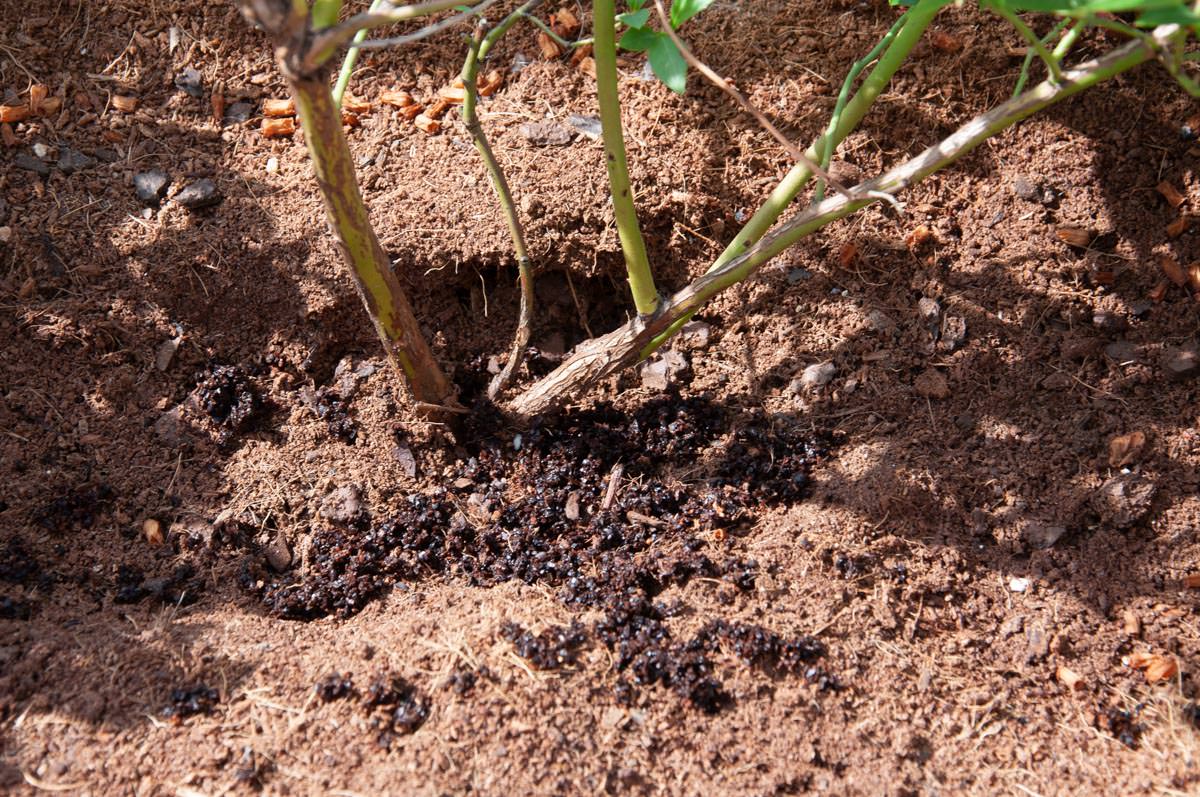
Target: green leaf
(636,5)
(667,62)
(638,39)
(325,13)
(634,19)
(683,10)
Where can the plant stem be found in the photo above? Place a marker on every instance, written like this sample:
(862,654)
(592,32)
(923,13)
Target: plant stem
(470,73)
(351,59)
(835,119)
(637,265)
(903,39)
(1032,39)
(603,356)
(350,224)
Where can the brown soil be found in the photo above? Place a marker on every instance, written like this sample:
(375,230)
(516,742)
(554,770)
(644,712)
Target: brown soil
(877,586)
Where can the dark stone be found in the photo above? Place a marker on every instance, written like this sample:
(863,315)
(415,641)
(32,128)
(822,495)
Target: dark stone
(151,186)
(239,112)
(1105,321)
(107,154)
(29,163)
(199,195)
(546,134)
(1182,362)
(1024,189)
(72,160)
(189,80)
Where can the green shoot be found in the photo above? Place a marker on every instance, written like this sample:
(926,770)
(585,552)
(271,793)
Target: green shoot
(637,265)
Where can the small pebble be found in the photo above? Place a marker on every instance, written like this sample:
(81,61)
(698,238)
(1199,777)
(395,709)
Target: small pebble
(151,186)
(23,160)
(189,81)
(1018,584)
(818,374)
(41,150)
(272,165)
(200,194)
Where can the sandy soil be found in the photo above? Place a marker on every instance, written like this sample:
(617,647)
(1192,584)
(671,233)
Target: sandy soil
(886,584)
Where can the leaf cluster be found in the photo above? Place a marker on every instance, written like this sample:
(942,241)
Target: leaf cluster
(665,59)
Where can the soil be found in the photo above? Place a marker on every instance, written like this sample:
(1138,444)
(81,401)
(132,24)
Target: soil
(951,558)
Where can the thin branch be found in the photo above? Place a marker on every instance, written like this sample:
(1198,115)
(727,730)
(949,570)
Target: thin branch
(326,43)
(725,86)
(425,32)
(470,75)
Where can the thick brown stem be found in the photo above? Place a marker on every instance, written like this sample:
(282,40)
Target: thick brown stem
(350,224)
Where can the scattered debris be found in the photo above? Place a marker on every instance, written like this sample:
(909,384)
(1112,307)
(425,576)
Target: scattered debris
(1069,678)
(1120,724)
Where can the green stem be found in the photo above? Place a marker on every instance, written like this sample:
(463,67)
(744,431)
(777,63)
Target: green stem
(544,28)
(350,224)
(1064,46)
(918,18)
(339,89)
(470,74)
(601,357)
(637,265)
(1032,39)
(839,108)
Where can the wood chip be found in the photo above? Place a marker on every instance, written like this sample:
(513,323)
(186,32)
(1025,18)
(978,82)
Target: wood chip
(847,254)
(491,83)
(217,103)
(1158,292)
(1126,449)
(439,107)
(918,237)
(1172,269)
(13,113)
(1161,668)
(1192,581)
(152,531)
(455,94)
(1075,236)
(396,98)
(580,53)
(38,93)
(427,125)
(278,127)
(1178,227)
(944,42)
(588,67)
(1069,678)
(355,105)
(549,48)
(564,23)
(350,119)
(279,108)
(411,112)
(1131,623)
(1170,193)
(8,136)
(1193,275)
(51,106)
(124,104)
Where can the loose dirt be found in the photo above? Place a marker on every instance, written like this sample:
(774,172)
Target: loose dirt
(899,518)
